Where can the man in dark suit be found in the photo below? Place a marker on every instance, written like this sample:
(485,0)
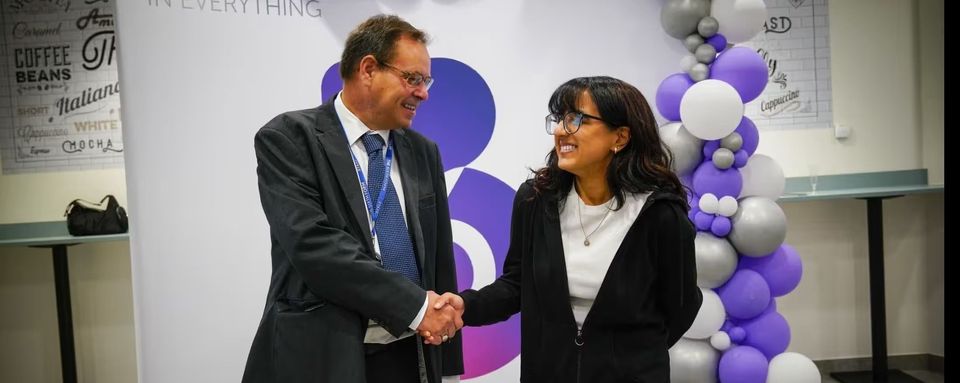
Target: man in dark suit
(360,227)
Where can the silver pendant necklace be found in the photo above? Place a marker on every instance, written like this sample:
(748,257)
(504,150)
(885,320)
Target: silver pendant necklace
(586,237)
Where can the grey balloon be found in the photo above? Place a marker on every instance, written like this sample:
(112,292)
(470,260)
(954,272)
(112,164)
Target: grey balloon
(692,42)
(680,18)
(708,27)
(716,260)
(723,158)
(686,148)
(705,53)
(699,72)
(759,227)
(733,141)
(693,361)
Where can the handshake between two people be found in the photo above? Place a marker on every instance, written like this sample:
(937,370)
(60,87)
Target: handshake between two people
(443,318)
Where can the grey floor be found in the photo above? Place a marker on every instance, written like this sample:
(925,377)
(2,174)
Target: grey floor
(923,375)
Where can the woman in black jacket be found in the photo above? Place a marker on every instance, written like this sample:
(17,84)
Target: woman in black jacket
(601,261)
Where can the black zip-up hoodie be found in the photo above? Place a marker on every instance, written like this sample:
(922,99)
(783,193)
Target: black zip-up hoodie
(648,298)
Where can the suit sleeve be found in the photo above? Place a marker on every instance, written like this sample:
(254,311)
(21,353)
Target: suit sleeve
(331,261)
(678,294)
(498,301)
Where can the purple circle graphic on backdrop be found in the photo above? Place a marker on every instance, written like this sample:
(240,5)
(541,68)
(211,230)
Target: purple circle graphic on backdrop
(485,203)
(459,115)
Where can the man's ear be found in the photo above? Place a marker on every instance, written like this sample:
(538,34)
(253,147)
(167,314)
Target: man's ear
(367,66)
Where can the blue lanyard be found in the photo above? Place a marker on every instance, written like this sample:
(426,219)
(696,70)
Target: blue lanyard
(374,210)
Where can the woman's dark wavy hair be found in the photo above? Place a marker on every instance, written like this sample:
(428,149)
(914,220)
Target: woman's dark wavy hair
(643,165)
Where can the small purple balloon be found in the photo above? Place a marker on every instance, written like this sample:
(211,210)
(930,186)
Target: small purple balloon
(669,94)
(740,158)
(745,295)
(768,333)
(743,364)
(727,325)
(720,226)
(737,334)
(692,213)
(750,135)
(709,147)
(742,68)
(703,221)
(721,182)
(782,269)
(718,41)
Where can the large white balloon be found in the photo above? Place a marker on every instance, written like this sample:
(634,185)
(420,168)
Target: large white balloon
(710,317)
(739,20)
(763,177)
(693,361)
(687,150)
(791,367)
(711,109)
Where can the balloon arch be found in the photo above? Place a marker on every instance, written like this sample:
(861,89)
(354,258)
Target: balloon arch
(742,262)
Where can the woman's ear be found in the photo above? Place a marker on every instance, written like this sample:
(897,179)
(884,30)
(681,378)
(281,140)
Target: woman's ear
(623,137)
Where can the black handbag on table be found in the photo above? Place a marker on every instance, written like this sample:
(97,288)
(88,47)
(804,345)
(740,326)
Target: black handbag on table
(88,218)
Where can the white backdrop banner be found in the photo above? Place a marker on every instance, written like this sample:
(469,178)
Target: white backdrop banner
(200,77)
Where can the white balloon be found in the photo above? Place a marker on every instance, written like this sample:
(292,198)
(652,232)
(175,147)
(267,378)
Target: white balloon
(688,62)
(711,109)
(709,203)
(739,20)
(710,317)
(687,150)
(762,177)
(720,341)
(727,206)
(791,367)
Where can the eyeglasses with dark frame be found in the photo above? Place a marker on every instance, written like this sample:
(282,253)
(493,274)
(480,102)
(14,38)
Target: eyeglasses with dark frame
(571,122)
(414,79)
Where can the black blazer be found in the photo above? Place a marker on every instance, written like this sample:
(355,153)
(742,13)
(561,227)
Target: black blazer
(326,282)
(647,300)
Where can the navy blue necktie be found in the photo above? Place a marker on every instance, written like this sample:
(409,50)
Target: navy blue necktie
(396,248)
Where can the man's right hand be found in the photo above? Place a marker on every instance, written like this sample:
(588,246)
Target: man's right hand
(442,319)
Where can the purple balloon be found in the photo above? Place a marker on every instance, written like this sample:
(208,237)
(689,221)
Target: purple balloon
(770,307)
(692,213)
(669,94)
(718,41)
(742,68)
(745,295)
(740,158)
(782,269)
(721,182)
(743,364)
(721,226)
(709,147)
(750,135)
(737,334)
(727,325)
(768,333)
(703,220)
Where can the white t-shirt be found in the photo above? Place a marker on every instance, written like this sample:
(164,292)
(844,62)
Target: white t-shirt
(587,265)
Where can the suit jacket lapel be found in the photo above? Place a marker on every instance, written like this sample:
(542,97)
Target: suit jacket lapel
(411,174)
(334,143)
